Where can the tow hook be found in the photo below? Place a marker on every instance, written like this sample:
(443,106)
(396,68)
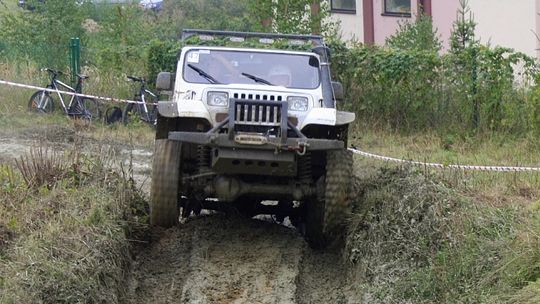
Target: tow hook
(301,149)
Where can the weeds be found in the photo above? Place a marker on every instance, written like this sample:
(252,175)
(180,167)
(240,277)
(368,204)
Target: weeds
(67,243)
(414,240)
(42,167)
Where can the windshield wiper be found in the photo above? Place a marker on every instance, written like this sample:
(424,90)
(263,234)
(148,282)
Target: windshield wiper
(203,74)
(257,79)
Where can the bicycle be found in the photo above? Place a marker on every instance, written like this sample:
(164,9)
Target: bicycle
(146,110)
(79,107)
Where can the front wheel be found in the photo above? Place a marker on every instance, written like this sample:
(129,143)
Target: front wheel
(41,101)
(326,215)
(165,189)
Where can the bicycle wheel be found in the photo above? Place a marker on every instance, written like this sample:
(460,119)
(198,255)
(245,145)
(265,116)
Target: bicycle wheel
(131,111)
(85,108)
(91,108)
(113,115)
(41,101)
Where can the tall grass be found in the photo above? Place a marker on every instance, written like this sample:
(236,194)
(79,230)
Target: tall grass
(414,240)
(68,241)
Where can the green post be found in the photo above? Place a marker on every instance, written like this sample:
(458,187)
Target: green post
(75,58)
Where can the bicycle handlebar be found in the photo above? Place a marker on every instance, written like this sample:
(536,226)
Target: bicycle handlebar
(133,78)
(54,72)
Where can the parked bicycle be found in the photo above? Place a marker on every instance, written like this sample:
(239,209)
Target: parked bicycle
(79,107)
(146,110)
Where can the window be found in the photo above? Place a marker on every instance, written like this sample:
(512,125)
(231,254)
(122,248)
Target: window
(228,66)
(343,6)
(397,8)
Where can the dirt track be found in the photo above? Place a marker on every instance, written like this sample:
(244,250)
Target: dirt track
(228,259)
(222,258)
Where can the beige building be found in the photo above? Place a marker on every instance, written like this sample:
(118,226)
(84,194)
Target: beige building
(508,23)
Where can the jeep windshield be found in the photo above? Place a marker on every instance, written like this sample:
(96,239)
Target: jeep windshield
(248,67)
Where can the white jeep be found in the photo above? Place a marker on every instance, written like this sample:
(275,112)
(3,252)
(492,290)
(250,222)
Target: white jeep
(256,129)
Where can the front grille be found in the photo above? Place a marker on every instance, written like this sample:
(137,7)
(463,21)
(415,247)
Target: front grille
(258,96)
(257,113)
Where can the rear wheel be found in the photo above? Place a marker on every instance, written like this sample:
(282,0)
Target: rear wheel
(325,216)
(91,108)
(130,111)
(165,190)
(41,101)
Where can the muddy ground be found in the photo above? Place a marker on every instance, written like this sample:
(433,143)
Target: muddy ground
(215,258)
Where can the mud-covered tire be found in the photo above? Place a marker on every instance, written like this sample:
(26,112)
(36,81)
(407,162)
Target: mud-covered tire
(326,216)
(165,190)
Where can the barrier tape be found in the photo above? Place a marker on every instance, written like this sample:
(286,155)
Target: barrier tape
(355,151)
(443,166)
(110,99)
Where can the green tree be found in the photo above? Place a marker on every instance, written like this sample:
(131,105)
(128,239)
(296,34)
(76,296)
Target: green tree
(292,16)
(417,35)
(42,35)
(203,14)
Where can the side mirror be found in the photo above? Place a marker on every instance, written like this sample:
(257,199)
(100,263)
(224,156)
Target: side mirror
(337,87)
(323,52)
(165,81)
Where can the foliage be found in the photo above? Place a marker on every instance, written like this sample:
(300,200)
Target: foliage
(292,17)
(418,35)
(411,85)
(42,34)
(230,15)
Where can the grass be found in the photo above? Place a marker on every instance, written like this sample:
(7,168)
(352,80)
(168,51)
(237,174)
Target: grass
(66,239)
(492,149)
(414,240)
(15,119)
(417,235)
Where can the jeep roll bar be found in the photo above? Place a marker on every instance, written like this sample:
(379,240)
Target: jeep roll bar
(319,48)
(318,40)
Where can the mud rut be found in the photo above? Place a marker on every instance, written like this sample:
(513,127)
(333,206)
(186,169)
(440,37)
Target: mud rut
(222,258)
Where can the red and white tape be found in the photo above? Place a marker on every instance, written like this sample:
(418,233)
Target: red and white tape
(442,166)
(110,99)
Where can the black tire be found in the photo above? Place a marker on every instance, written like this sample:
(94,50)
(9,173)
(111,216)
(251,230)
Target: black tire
(165,189)
(325,216)
(45,98)
(113,115)
(131,110)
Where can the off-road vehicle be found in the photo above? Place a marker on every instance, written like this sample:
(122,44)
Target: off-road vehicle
(254,128)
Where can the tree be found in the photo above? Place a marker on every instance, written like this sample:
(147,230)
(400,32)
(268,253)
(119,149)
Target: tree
(292,16)
(42,35)
(418,35)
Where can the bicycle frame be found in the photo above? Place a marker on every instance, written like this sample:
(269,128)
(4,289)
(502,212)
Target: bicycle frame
(56,84)
(143,93)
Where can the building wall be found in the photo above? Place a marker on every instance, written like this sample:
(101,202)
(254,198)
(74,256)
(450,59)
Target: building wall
(537,13)
(444,13)
(509,23)
(351,25)
(385,26)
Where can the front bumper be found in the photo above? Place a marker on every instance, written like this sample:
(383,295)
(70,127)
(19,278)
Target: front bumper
(300,145)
